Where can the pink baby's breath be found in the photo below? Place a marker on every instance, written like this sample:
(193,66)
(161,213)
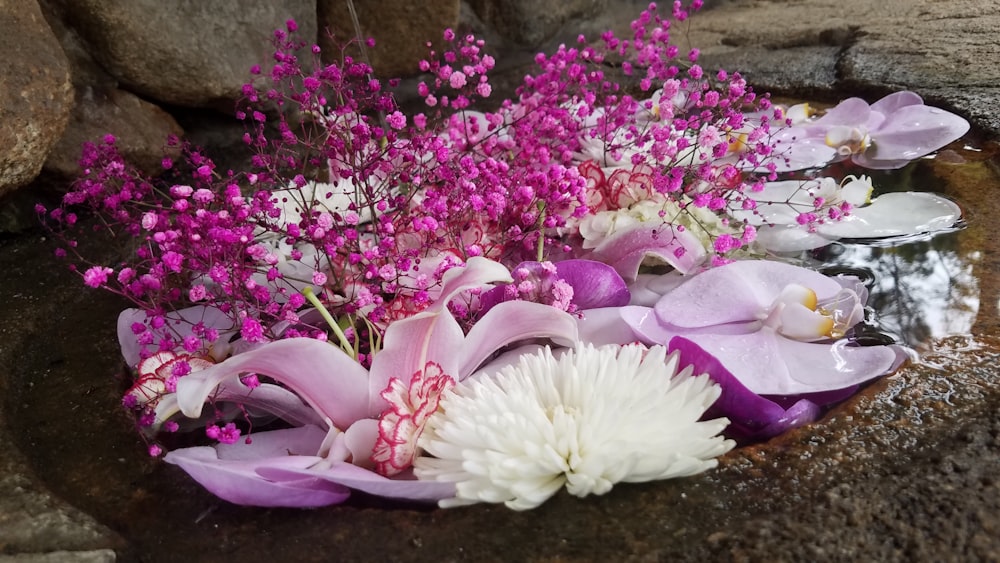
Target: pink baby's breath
(97,276)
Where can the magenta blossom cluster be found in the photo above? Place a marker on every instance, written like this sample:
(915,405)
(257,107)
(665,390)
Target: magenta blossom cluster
(367,207)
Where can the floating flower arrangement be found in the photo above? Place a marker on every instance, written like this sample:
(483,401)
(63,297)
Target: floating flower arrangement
(581,287)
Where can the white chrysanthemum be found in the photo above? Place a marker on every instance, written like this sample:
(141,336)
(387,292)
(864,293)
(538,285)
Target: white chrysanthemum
(587,418)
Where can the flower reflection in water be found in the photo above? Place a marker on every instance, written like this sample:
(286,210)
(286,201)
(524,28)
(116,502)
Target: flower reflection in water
(923,290)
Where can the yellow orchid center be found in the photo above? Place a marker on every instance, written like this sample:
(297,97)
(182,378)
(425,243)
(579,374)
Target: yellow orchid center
(848,140)
(799,113)
(737,143)
(794,315)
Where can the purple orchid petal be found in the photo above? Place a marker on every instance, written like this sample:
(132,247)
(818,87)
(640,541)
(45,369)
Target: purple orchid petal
(604,326)
(230,472)
(912,132)
(510,322)
(852,112)
(796,148)
(595,284)
(323,375)
(816,367)
(751,416)
(626,250)
(896,214)
(431,335)
(789,238)
(897,100)
(740,291)
(862,160)
(402,486)
(768,364)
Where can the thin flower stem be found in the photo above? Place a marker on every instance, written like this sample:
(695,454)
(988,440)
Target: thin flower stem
(345,344)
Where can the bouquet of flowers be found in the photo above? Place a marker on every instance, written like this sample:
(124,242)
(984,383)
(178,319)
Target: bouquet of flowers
(580,287)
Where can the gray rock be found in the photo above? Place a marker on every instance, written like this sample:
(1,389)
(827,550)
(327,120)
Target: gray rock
(96,556)
(947,52)
(35,92)
(141,130)
(533,22)
(401,30)
(103,108)
(187,53)
(32,520)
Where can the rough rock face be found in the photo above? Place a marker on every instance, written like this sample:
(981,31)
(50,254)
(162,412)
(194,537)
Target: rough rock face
(141,130)
(947,52)
(188,53)
(532,22)
(35,92)
(401,29)
(103,108)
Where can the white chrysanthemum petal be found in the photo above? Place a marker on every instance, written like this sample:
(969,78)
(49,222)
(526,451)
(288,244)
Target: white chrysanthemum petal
(586,418)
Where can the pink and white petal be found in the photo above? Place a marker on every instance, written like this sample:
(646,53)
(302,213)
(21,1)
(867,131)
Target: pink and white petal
(896,214)
(403,486)
(626,250)
(511,322)
(321,374)
(230,471)
(271,399)
(359,439)
(913,131)
(407,347)
(431,335)
(740,291)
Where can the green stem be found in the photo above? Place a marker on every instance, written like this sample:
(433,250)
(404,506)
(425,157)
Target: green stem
(345,344)
(541,233)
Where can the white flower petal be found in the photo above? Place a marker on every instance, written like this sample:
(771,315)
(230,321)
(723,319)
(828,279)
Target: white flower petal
(896,214)
(585,418)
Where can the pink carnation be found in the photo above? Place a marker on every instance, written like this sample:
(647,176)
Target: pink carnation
(401,424)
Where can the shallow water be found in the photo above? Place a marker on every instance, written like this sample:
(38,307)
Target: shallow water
(937,295)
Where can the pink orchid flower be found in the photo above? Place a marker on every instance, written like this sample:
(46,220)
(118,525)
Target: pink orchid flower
(776,329)
(885,135)
(326,463)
